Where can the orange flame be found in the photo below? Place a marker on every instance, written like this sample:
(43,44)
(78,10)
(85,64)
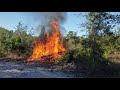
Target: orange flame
(52,46)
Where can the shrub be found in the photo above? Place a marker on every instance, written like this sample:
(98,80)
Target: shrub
(68,57)
(77,56)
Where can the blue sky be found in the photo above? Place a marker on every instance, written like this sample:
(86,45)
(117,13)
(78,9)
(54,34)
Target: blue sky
(9,20)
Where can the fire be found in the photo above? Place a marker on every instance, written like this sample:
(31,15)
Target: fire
(52,46)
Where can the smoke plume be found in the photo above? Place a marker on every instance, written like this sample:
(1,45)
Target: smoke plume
(45,18)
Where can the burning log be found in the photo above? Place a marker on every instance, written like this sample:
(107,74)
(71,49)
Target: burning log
(44,59)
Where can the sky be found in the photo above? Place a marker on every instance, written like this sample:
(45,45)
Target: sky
(9,20)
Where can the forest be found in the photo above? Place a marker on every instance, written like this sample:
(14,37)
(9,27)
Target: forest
(96,54)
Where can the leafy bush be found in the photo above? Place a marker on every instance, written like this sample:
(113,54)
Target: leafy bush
(68,56)
(80,55)
(18,42)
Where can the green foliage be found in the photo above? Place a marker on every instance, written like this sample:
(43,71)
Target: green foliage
(100,37)
(17,42)
(22,42)
(94,51)
(72,40)
(76,55)
(5,36)
(68,57)
(117,40)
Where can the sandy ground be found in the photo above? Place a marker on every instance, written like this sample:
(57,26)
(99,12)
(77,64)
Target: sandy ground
(22,70)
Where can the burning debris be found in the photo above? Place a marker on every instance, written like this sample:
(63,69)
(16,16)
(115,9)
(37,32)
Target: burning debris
(49,45)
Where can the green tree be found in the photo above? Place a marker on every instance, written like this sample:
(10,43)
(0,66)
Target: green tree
(22,42)
(72,39)
(5,36)
(99,24)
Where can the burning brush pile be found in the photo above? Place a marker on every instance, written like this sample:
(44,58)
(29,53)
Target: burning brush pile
(49,45)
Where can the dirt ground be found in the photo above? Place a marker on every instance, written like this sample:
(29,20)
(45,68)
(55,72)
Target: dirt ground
(19,69)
